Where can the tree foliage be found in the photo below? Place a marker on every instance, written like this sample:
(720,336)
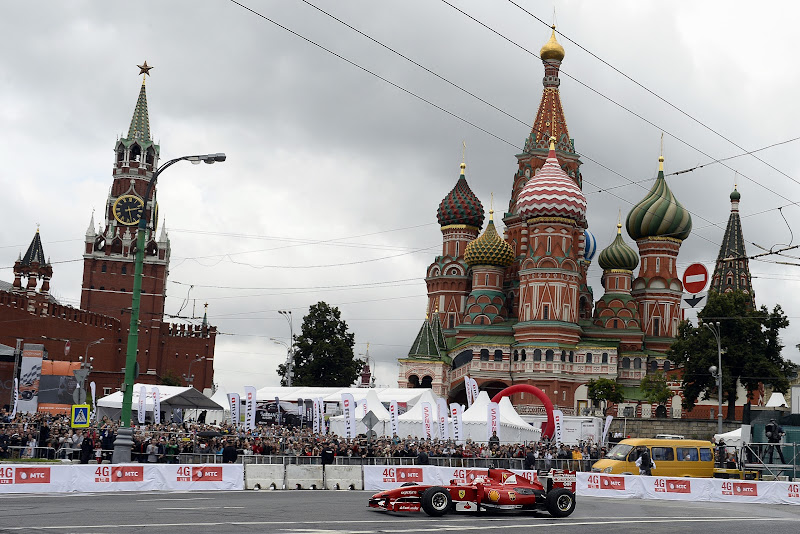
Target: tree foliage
(655,389)
(604,389)
(323,352)
(170,378)
(751,349)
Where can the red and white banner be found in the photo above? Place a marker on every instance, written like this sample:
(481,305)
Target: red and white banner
(156,405)
(120,477)
(441,418)
(93,388)
(393,418)
(16,398)
(427,419)
(558,419)
(141,411)
(349,409)
(315,416)
(235,403)
(249,408)
(687,489)
(323,429)
(301,409)
(468,389)
(493,417)
(604,441)
(381,477)
(458,426)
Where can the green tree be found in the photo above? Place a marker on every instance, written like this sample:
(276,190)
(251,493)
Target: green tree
(751,349)
(170,378)
(323,354)
(655,389)
(604,389)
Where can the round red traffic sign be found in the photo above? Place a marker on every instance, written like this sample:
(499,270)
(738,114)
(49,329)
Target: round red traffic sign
(695,278)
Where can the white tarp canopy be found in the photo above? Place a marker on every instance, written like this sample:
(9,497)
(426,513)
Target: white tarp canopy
(776,400)
(172,397)
(732,438)
(411,424)
(513,429)
(370,403)
(574,428)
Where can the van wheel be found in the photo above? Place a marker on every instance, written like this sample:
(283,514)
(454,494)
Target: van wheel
(560,502)
(436,501)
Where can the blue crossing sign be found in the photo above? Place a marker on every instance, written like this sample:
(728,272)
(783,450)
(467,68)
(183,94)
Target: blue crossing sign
(80,416)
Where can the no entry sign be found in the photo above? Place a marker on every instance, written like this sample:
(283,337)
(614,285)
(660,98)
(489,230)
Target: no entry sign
(695,278)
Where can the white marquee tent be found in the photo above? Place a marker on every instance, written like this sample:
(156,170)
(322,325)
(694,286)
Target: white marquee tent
(513,429)
(370,403)
(172,397)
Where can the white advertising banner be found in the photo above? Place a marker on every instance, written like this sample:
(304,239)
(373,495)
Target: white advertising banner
(301,409)
(493,417)
(458,426)
(468,389)
(235,403)
(323,429)
(558,418)
(315,416)
(156,405)
(141,411)
(30,373)
(607,426)
(93,388)
(393,418)
(475,390)
(427,419)
(249,408)
(349,409)
(441,418)
(120,477)
(16,398)
(687,489)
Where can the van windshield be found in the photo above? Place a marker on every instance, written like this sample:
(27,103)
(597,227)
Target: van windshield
(619,452)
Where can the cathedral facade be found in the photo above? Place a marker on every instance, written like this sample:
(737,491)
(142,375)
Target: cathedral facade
(516,308)
(30,315)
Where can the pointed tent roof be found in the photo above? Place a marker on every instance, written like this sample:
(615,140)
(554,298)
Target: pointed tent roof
(426,344)
(35,252)
(733,246)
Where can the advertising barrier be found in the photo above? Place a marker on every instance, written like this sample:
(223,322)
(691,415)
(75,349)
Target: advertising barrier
(687,489)
(119,477)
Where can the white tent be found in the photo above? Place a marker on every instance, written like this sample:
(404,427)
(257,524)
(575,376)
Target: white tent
(513,429)
(732,438)
(219,416)
(172,397)
(369,403)
(410,423)
(776,400)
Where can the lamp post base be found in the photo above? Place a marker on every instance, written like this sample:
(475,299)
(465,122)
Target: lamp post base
(123,445)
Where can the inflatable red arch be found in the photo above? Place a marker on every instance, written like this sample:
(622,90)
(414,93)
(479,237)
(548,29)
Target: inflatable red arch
(550,428)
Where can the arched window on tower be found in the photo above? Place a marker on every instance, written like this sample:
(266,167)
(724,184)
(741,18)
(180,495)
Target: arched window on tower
(626,363)
(667,366)
(150,158)
(516,355)
(548,356)
(427,382)
(135,152)
(588,357)
(121,152)
(654,366)
(537,355)
(413,381)
(498,355)
(637,363)
(563,356)
(484,355)
(572,356)
(523,356)
(605,357)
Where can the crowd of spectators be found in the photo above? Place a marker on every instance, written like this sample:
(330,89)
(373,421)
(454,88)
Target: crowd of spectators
(50,436)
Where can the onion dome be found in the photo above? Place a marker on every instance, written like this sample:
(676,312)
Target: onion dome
(590,246)
(735,195)
(461,206)
(551,49)
(618,255)
(489,248)
(552,193)
(659,214)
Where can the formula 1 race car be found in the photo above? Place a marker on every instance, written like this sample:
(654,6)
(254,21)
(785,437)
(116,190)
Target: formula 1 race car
(500,489)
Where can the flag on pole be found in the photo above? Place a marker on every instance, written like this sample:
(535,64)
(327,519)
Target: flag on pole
(468,389)
(427,419)
(141,406)
(278,408)
(156,405)
(349,409)
(93,388)
(604,441)
(16,397)
(558,417)
(455,414)
(235,402)
(315,416)
(441,416)
(249,408)
(393,418)
(475,390)
(494,419)
(322,427)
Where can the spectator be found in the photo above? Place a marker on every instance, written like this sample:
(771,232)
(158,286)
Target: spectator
(229,453)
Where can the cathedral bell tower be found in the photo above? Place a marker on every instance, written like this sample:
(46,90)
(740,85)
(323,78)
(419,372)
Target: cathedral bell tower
(109,249)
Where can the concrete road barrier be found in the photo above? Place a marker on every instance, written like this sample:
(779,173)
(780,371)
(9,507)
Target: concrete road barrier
(303,476)
(263,476)
(343,477)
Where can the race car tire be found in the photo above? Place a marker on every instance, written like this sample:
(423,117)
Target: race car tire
(560,502)
(436,501)
(405,484)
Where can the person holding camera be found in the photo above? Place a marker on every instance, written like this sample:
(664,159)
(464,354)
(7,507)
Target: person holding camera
(644,462)
(774,434)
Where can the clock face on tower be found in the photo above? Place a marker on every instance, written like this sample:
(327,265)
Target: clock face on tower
(128,209)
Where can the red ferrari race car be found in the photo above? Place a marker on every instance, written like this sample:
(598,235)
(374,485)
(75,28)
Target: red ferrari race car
(499,490)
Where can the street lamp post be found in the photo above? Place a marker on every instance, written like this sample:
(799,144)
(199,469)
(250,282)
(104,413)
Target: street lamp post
(716,370)
(189,378)
(290,349)
(79,396)
(124,440)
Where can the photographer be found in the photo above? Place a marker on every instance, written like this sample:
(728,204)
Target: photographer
(774,434)
(644,462)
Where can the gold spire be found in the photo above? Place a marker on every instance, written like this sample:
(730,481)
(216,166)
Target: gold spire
(551,49)
(463,156)
(491,207)
(552,142)
(661,155)
(619,222)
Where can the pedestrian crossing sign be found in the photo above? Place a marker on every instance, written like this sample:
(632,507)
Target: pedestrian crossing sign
(80,416)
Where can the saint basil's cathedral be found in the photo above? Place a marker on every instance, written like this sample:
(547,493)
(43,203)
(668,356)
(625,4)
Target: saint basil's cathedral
(517,309)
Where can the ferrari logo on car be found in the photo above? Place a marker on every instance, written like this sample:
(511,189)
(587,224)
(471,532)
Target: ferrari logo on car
(494,495)
(462,494)
(512,495)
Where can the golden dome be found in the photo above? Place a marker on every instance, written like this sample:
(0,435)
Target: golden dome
(551,49)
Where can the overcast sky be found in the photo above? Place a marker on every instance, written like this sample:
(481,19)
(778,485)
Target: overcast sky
(334,175)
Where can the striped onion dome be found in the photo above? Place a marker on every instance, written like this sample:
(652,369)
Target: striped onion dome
(489,248)
(461,206)
(590,247)
(659,214)
(618,255)
(552,193)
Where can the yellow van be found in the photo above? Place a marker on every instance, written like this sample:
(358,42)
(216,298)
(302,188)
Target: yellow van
(673,458)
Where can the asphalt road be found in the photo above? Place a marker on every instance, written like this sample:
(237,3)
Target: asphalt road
(330,512)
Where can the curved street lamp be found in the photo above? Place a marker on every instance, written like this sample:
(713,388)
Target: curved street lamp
(716,370)
(189,378)
(124,440)
(290,348)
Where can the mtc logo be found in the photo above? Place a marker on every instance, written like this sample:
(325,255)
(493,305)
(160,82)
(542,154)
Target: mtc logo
(32,475)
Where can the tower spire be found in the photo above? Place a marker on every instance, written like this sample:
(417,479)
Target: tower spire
(732,271)
(140,122)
